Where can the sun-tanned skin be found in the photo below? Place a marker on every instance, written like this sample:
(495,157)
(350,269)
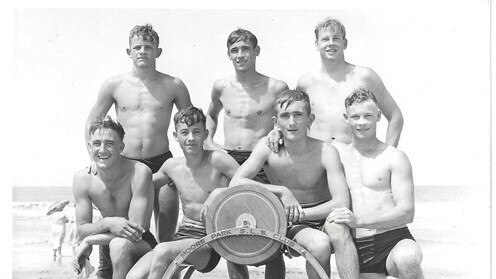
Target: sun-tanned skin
(198,176)
(143,99)
(306,175)
(122,191)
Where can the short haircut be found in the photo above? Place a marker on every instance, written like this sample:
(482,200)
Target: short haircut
(106,122)
(145,32)
(190,116)
(289,96)
(359,95)
(242,35)
(335,25)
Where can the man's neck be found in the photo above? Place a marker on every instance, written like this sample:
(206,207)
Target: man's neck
(144,73)
(193,161)
(247,77)
(295,147)
(366,145)
(334,66)
(113,173)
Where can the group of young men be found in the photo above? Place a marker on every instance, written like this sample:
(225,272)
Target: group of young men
(315,148)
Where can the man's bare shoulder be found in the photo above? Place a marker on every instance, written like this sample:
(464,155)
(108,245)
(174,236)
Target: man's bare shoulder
(395,155)
(83,175)
(308,79)
(275,86)
(366,73)
(342,147)
(221,84)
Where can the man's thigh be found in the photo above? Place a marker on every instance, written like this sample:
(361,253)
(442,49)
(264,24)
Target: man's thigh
(199,258)
(404,248)
(307,237)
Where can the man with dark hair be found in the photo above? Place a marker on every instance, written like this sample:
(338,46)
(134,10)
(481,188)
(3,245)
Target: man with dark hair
(380,180)
(199,176)
(122,191)
(247,99)
(307,176)
(143,100)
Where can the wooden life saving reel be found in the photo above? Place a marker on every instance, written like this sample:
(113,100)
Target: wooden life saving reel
(246,225)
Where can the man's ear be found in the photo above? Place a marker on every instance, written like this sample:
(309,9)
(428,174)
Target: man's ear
(257,50)
(316,44)
(345,41)
(345,117)
(379,113)
(312,118)
(206,133)
(159,52)
(121,147)
(88,145)
(128,51)
(174,134)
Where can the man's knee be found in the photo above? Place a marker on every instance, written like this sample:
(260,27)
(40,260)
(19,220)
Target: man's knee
(338,233)
(120,247)
(407,257)
(320,247)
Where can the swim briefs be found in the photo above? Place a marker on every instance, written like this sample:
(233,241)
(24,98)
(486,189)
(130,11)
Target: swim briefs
(155,162)
(374,250)
(241,156)
(197,232)
(105,264)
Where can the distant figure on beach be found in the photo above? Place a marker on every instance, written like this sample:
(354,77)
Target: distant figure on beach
(308,178)
(199,176)
(382,196)
(72,238)
(143,100)
(328,86)
(122,190)
(57,233)
(247,99)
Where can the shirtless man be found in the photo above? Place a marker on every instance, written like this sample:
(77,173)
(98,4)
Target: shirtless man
(199,176)
(307,177)
(247,99)
(122,190)
(329,86)
(143,100)
(380,180)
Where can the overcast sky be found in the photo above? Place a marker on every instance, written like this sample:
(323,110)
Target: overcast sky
(433,59)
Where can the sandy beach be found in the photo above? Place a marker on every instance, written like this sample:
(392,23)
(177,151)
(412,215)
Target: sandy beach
(454,243)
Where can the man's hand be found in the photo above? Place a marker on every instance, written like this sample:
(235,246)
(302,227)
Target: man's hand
(274,139)
(208,202)
(342,215)
(92,168)
(292,207)
(124,228)
(81,254)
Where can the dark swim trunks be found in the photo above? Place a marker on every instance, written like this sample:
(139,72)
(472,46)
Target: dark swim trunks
(374,250)
(196,232)
(241,156)
(155,162)
(105,264)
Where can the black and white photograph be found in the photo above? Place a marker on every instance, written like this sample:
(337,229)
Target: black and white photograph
(249,140)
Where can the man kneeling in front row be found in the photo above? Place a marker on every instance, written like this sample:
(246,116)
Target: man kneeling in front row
(381,185)
(122,190)
(310,183)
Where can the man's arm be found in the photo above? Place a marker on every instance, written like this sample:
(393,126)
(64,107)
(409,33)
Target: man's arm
(387,105)
(213,115)
(249,169)
(102,105)
(182,99)
(161,178)
(141,204)
(337,185)
(118,226)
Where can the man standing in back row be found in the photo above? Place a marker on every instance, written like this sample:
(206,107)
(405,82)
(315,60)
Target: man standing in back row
(143,100)
(247,99)
(328,86)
